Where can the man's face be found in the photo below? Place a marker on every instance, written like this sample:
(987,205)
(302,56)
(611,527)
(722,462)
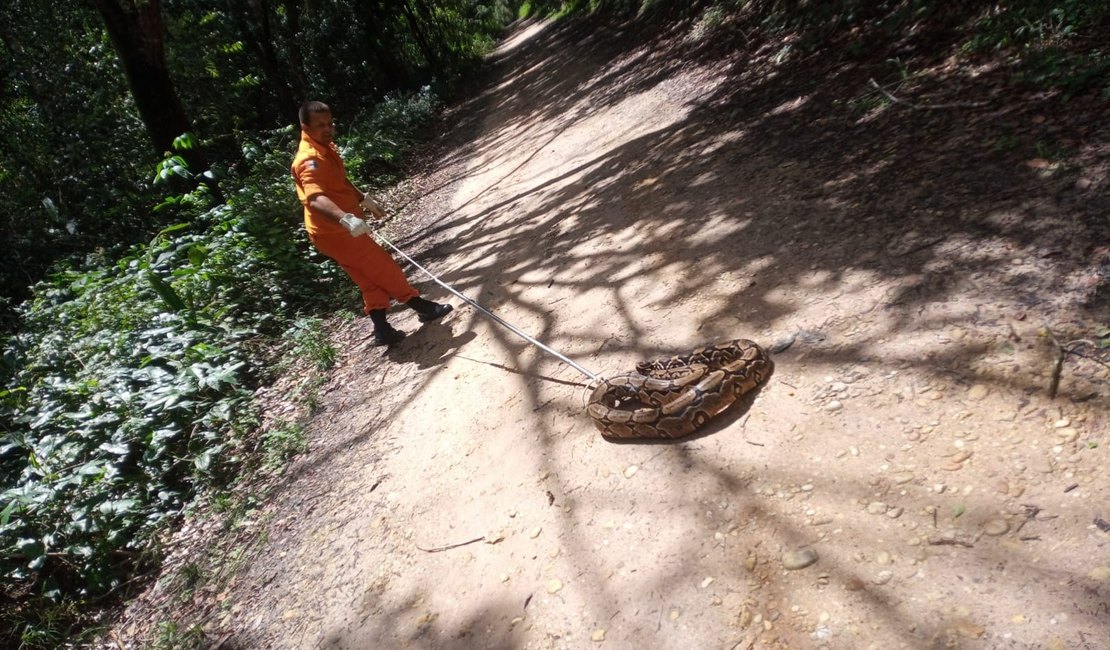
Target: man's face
(320,127)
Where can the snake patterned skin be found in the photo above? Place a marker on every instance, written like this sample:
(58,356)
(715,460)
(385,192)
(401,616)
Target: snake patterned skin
(673,397)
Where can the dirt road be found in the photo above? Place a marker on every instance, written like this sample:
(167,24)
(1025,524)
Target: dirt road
(622,202)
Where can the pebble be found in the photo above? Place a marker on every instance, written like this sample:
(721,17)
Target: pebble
(1044,466)
(853,450)
(895,512)
(883,558)
(705,583)
(978,392)
(962,456)
(631,471)
(996,527)
(799,558)
(901,478)
(883,577)
(675,614)
(554,586)
(1100,574)
(968,630)
(876,507)
(598,635)
(535,532)
(834,406)
(1068,434)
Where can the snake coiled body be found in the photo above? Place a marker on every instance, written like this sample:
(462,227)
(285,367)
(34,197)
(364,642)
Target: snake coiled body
(673,397)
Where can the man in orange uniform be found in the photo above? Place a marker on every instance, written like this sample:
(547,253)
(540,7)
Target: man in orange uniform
(333,211)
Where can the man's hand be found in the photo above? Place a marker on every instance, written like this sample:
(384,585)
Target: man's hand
(372,207)
(354,225)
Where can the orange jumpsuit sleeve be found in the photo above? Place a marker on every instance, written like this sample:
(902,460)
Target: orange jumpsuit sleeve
(321,172)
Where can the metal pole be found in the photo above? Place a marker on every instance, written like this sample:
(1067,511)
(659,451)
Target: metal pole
(492,315)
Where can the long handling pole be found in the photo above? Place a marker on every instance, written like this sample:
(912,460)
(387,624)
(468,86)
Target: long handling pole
(492,315)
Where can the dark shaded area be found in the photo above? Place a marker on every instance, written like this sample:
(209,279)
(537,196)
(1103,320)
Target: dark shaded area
(823,177)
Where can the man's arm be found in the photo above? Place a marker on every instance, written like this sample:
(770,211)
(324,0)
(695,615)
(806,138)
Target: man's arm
(321,204)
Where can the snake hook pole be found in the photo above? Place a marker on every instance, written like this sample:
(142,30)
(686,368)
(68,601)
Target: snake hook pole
(572,364)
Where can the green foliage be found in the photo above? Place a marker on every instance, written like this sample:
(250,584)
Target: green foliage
(1051,39)
(1036,23)
(312,343)
(387,133)
(70,145)
(171,636)
(74,155)
(281,443)
(129,388)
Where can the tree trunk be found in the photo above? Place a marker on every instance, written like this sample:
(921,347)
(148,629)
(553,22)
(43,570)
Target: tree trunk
(252,19)
(138,35)
(296,57)
(392,71)
(421,38)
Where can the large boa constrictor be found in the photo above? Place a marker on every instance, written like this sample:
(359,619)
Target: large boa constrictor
(673,397)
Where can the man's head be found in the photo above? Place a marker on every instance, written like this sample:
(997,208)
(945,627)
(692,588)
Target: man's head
(316,122)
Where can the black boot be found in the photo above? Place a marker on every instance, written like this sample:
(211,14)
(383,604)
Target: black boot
(428,310)
(384,334)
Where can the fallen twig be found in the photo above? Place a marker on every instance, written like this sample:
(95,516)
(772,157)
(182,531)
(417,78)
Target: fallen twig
(944,541)
(450,546)
(1058,363)
(1031,512)
(903,102)
(1071,349)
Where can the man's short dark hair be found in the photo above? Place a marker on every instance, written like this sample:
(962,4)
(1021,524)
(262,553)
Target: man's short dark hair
(308,108)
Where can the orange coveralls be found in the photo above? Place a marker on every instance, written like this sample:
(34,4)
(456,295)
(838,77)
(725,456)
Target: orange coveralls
(319,170)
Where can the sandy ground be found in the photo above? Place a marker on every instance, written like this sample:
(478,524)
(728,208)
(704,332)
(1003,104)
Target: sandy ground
(620,203)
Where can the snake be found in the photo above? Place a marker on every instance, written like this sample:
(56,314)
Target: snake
(674,396)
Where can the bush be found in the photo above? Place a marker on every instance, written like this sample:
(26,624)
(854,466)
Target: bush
(128,390)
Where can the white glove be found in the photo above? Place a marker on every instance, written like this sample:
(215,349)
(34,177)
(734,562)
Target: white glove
(354,225)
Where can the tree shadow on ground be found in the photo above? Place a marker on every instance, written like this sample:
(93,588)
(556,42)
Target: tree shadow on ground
(786,187)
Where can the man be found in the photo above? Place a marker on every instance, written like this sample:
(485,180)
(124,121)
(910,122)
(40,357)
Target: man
(333,215)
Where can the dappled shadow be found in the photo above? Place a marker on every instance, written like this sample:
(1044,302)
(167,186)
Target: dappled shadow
(784,198)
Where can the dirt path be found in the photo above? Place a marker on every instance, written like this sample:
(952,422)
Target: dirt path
(622,203)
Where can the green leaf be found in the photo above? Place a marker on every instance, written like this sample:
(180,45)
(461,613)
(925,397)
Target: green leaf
(118,506)
(197,254)
(174,228)
(7,513)
(166,292)
(184,141)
